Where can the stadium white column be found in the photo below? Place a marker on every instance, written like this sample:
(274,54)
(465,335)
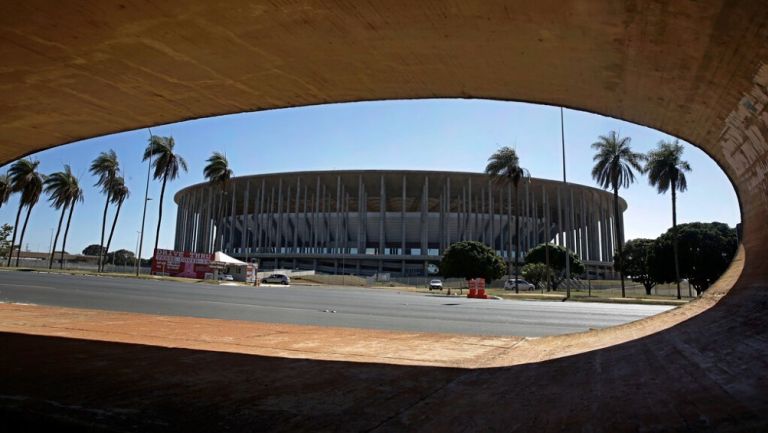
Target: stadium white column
(231,242)
(337,222)
(382,213)
(448,211)
(245,218)
(305,222)
(402,218)
(295,216)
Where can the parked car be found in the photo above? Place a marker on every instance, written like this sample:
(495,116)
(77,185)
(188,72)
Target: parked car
(521,285)
(226,277)
(277,279)
(435,285)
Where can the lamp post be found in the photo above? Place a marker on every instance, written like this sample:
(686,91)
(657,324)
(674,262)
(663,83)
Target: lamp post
(141,232)
(144,213)
(568,239)
(136,254)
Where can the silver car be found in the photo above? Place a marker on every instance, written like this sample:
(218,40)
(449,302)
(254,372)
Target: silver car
(521,285)
(435,285)
(277,279)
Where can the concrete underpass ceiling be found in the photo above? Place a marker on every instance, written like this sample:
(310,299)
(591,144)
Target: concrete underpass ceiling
(94,68)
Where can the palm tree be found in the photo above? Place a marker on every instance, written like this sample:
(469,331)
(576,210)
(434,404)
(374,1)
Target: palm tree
(76,194)
(167,165)
(5,194)
(24,179)
(5,188)
(105,167)
(666,170)
(62,189)
(218,174)
(504,165)
(614,162)
(119,192)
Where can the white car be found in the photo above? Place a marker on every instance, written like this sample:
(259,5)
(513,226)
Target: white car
(521,285)
(226,277)
(435,285)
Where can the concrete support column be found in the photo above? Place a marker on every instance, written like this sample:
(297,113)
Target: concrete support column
(402,217)
(295,218)
(260,221)
(209,222)
(231,242)
(469,214)
(316,219)
(337,213)
(271,223)
(423,219)
(382,213)
(448,201)
(305,222)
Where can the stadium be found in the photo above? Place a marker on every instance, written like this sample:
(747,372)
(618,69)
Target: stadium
(400,222)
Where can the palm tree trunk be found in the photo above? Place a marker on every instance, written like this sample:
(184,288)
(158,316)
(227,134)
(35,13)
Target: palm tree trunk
(160,212)
(112,232)
(103,228)
(15,228)
(56,238)
(617,226)
(66,232)
(23,230)
(674,238)
(517,235)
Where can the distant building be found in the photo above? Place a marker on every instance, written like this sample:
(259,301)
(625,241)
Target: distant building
(393,221)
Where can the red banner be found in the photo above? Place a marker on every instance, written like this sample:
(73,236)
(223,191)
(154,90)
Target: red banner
(181,263)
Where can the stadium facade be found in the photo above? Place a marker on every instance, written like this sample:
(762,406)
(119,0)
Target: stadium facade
(389,221)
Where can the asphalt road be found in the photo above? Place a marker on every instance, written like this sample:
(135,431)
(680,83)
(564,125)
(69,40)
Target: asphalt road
(324,306)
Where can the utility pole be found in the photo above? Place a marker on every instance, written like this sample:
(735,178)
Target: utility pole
(144,214)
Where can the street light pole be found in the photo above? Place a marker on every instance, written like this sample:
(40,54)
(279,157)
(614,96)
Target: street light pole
(144,214)
(136,255)
(50,244)
(568,238)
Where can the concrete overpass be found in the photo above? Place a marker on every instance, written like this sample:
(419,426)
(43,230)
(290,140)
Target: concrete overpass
(696,70)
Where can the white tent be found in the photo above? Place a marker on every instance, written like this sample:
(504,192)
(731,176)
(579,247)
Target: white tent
(226,260)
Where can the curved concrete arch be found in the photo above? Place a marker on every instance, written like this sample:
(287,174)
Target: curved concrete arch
(696,70)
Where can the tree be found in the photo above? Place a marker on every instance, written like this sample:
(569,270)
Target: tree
(706,250)
(119,193)
(167,165)
(121,256)
(557,255)
(666,170)
(75,195)
(636,260)
(5,244)
(614,162)
(471,259)
(218,173)
(25,179)
(62,189)
(536,273)
(5,188)
(504,166)
(93,250)
(105,167)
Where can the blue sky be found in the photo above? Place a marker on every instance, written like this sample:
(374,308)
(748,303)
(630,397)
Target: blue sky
(425,134)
